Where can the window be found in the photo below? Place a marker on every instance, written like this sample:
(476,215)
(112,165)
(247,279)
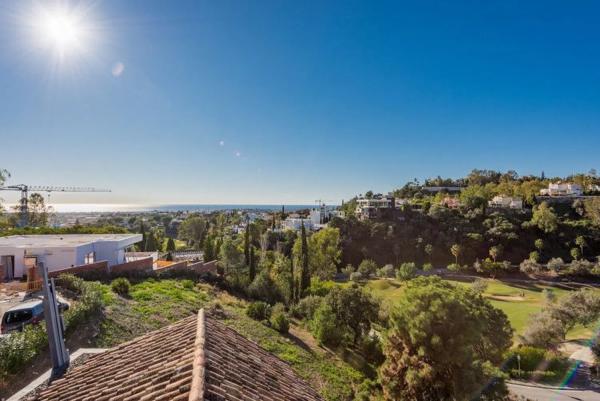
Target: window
(90,258)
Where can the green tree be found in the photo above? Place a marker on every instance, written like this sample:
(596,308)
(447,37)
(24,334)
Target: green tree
(354,308)
(252,270)
(193,230)
(151,244)
(170,245)
(247,244)
(406,271)
(544,218)
(539,245)
(324,253)
(575,253)
(304,262)
(444,343)
(456,250)
(209,249)
(475,197)
(230,257)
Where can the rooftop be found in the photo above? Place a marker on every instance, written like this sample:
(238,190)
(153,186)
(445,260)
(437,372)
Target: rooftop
(195,359)
(64,240)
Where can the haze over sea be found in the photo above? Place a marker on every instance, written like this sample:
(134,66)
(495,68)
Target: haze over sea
(110,207)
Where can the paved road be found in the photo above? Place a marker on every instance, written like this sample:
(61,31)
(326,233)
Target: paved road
(551,394)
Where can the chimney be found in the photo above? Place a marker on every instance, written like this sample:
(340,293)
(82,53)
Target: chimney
(55,326)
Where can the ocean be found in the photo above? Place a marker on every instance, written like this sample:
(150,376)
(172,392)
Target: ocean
(108,207)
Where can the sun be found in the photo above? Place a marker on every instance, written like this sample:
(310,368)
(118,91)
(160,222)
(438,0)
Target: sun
(61,30)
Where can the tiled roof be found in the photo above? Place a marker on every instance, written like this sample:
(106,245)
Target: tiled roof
(198,358)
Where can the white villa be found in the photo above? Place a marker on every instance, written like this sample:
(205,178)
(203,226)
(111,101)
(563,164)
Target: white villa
(506,202)
(18,252)
(562,189)
(369,207)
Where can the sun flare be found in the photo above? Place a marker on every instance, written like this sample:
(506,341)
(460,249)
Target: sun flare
(61,30)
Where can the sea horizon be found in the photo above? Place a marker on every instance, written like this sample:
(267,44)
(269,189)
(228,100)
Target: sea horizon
(167,207)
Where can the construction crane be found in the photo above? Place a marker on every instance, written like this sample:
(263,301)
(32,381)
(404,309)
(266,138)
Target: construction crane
(25,189)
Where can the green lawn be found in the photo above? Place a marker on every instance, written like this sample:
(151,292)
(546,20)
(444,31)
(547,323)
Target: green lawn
(517,301)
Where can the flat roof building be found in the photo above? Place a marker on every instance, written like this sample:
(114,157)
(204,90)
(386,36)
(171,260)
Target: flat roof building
(17,252)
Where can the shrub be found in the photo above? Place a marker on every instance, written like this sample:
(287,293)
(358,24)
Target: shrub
(454,267)
(187,284)
(348,270)
(19,349)
(531,358)
(534,256)
(479,286)
(544,331)
(280,322)
(427,267)
(121,286)
(528,266)
(580,267)
(386,271)
(305,309)
(320,287)
(324,326)
(406,271)
(264,288)
(356,276)
(556,264)
(259,311)
(372,349)
(367,268)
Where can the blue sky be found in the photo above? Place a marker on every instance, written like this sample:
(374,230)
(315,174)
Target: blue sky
(282,101)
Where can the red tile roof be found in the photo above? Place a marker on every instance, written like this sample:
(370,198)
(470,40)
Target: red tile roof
(198,358)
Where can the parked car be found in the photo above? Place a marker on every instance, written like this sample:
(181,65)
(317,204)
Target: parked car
(28,312)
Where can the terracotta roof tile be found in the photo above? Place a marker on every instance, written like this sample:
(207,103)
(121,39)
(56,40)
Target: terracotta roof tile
(198,358)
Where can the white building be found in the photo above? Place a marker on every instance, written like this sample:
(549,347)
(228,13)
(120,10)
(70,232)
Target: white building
(17,252)
(562,189)
(507,202)
(369,207)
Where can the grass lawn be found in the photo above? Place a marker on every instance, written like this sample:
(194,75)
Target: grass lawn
(151,304)
(516,300)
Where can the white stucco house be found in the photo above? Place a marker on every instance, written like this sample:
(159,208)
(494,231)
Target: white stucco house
(562,189)
(17,252)
(507,202)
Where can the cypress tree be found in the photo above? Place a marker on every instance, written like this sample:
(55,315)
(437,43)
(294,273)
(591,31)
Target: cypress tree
(292,282)
(170,245)
(247,244)
(151,244)
(305,275)
(252,271)
(209,249)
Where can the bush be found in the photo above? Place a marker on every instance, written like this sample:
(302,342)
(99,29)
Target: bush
(427,267)
(305,309)
(259,311)
(320,287)
(367,268)
(280,322)
(544,365)
(556,264)
(264,288)
(356,276)
(386,271)
(528,266)
(18,349)
(580,268)
(406,271)
(348,270)
(531,358)
(187,284)
(121,286)
(324,326)
(479,286)
(454,267)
